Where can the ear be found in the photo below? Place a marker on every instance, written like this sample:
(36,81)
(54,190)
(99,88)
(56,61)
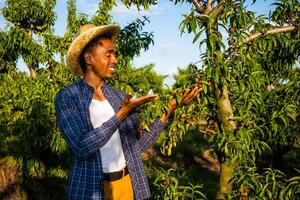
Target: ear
(87,58)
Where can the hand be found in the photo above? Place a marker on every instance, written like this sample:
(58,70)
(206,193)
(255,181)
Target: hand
(188,97)
(130,104)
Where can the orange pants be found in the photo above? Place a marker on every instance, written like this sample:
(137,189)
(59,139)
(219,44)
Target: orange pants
(119,190)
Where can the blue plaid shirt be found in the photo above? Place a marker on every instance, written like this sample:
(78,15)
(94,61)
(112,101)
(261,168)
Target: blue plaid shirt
(73,120)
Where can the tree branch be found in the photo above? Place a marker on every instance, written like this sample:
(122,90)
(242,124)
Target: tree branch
(250,38)
(220,7)
(273,31)
(199,6)
(209,7)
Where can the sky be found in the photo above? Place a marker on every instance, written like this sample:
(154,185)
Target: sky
(170,49)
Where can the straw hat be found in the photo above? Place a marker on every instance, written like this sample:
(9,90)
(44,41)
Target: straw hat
(86,34)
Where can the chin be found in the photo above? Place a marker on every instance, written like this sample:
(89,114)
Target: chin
(109,76)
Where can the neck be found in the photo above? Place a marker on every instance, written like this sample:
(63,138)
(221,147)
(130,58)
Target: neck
(93,80)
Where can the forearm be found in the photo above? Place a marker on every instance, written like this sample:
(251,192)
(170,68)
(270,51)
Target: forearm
(92,141)
(84,143)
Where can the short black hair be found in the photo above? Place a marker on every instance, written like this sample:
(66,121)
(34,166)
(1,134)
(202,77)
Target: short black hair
(89,48)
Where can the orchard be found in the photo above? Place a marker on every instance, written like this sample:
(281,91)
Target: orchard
(247,117)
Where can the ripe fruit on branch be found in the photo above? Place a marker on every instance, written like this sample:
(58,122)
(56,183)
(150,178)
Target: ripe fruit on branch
(232,29)
(210,83)
(191,17)
(187,120)
(165,182)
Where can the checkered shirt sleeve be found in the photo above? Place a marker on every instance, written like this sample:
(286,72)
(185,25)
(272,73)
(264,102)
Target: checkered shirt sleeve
(81,141)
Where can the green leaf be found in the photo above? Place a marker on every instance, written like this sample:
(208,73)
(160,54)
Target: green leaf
(198,35)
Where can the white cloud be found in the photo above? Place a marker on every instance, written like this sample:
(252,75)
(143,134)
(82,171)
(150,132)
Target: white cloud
(87,6)
(172,72)
(167,48)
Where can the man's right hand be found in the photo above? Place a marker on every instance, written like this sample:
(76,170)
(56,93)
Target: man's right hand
(130,104)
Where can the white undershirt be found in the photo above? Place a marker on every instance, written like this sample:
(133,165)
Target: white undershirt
(111,153)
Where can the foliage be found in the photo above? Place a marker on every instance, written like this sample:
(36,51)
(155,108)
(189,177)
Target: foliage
(24,21)
(132,40)
(144,3)
(168,186)
(269,184)
(23,14)
(28,122)
(252,102)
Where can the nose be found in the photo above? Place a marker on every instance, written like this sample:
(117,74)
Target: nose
(114,59)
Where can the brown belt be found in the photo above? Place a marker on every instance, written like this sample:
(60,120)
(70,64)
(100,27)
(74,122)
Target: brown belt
(113,176)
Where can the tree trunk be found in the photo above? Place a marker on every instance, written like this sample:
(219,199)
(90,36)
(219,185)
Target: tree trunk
(225,113)
(227,167)
(30,68)
(226,175)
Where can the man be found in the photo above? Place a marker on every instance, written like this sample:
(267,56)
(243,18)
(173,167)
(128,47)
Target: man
(99,125)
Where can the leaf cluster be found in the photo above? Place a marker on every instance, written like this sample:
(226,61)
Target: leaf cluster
(24,14)
(169,187)
(267,184)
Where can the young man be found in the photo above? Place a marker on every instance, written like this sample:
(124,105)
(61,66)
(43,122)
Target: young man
(98,124)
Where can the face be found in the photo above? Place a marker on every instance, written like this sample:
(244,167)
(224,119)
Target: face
(101,61)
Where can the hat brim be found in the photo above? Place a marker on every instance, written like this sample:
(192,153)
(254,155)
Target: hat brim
(80,42)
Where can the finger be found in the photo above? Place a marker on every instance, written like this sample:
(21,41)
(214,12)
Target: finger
(190,94)
(195,92)
(186,92)
(190,97)
(145,99)
(185,96)
(199,90)
(127,98)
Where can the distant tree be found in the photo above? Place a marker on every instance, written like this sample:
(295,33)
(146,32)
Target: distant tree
(25,21)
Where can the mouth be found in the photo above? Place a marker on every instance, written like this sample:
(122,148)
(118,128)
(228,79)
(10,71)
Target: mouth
(112,69)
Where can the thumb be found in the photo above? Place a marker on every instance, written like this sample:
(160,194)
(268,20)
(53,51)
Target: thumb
(127,98)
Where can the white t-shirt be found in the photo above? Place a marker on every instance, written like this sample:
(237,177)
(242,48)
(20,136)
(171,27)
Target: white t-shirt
(112,154)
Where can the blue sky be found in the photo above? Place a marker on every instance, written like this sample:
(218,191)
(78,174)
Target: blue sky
(170,50)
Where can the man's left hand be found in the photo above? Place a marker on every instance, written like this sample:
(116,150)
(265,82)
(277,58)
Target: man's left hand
(187,98)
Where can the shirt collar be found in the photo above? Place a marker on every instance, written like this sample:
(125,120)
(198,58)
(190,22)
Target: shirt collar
(88,93)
